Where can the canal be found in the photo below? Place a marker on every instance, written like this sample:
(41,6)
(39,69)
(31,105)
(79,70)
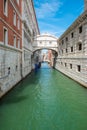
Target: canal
(45,100)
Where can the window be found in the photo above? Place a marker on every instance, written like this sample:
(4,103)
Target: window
(72,49)
(62,42)
(15,41)
(18,43)
(66,50)
(80,46)
(5,36)
(80,29)
(65,64)
(18,23)
(78,68)
(72,35)
(70,66)
(8,70)
(14,18)
(5,7)
(66,38)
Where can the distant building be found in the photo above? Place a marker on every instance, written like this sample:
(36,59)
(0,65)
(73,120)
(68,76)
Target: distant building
(50,57)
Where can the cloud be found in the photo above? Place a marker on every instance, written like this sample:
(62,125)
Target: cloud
(55,16)
(46,14)
(47,9)
(50,28)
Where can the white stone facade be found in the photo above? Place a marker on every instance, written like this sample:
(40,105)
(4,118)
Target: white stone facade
(29,29)
(72,51)
(45,41)
(10,68)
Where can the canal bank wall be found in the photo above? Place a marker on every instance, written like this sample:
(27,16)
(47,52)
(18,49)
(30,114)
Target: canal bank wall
(8,83)
(10,68)
(74,77)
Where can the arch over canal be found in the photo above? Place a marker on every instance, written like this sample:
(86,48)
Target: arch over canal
(45,41)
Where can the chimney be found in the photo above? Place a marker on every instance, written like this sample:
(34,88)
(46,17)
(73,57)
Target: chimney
(85,2)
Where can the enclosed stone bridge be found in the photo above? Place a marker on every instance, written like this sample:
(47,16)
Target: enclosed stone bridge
(45,41)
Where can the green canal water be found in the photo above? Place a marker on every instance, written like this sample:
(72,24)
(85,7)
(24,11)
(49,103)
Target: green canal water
(46,100)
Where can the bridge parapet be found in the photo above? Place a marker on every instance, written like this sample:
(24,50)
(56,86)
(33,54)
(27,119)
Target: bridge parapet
(45,41)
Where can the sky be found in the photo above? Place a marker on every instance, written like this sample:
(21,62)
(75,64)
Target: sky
(55,16)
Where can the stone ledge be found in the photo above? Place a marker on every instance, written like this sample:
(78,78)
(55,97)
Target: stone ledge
(10,47)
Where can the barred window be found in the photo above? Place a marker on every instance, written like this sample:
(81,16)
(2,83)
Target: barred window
(5,7)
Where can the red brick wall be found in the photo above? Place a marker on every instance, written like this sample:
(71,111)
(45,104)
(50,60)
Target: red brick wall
(18,6)
(1,31)
(8,22)
(49,54)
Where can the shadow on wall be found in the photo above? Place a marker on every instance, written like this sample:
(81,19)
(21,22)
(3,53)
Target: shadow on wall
(20,92)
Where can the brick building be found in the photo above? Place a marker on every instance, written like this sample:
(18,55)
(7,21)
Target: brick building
(10,44)
(18,25)
(10,23)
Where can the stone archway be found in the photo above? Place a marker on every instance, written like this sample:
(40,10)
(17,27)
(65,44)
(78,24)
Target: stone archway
(45,41)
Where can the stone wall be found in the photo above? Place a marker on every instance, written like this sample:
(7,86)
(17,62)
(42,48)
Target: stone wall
(18,26)
(72,51)
(27,66)
(27,37)
(10,68)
